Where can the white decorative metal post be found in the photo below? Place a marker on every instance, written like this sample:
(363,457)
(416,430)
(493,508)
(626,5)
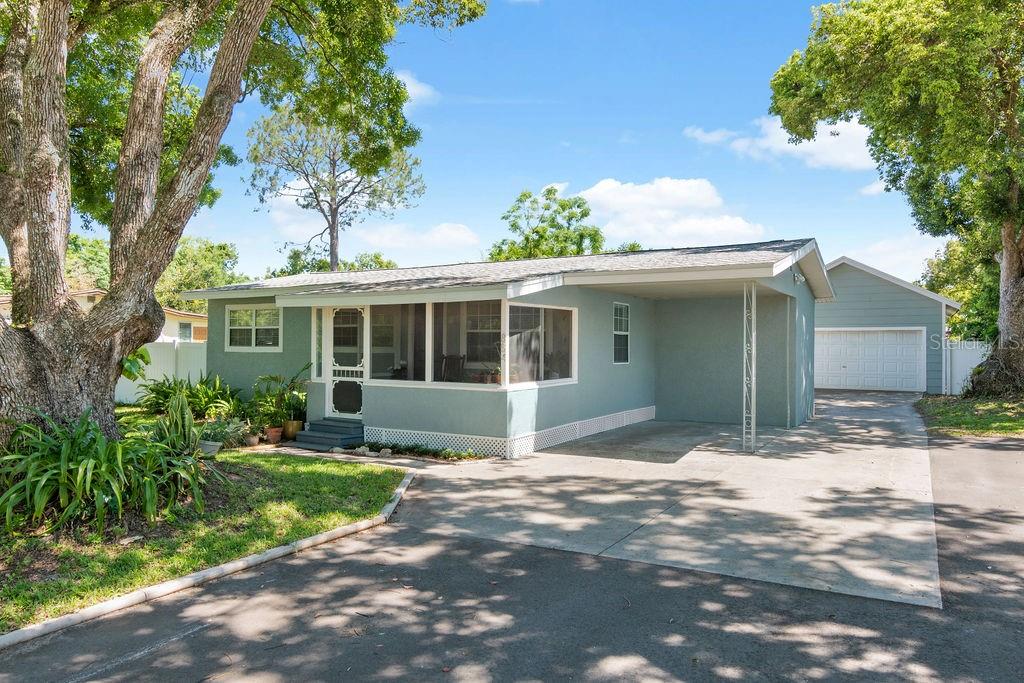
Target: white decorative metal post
(750,366)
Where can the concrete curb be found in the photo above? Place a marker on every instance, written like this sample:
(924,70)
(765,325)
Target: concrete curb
(142,595)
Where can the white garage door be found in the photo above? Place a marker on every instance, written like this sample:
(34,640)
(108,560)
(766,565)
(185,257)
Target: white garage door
(890,360)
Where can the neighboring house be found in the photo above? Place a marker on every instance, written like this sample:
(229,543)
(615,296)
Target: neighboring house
(508,357)
(880,333)
(178,325)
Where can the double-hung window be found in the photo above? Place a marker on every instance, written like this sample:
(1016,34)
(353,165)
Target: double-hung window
(620,333)
(253,328)
(184,332)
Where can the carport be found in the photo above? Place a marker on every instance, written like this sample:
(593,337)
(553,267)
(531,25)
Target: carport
(842,503)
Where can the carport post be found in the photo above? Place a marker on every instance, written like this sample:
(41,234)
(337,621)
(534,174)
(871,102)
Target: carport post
(750,366)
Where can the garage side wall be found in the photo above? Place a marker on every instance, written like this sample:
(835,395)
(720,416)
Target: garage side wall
(864,300)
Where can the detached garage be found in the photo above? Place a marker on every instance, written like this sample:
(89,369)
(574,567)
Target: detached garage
(880,333)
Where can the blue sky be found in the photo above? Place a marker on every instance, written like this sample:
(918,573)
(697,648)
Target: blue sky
(654,111)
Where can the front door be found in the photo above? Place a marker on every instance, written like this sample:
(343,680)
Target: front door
(347,356)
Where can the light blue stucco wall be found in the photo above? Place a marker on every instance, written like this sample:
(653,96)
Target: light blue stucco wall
(700,355)
(241,368)
(603,387)
(449,411)
(865,300)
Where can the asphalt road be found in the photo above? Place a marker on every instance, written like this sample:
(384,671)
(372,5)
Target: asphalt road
(406,603)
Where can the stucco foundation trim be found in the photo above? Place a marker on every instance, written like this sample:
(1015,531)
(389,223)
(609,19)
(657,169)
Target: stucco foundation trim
(512,447)
(160,590)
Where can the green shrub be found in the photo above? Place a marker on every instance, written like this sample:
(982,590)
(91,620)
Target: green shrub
(56,475)
(226,431)
(177,429)
(208,397)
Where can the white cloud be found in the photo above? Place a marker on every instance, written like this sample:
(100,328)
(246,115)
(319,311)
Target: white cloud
(294,224)
(666,212)
(875,188)
(420,93)
(400,236)
(903,256)
(841,146)
(709,137)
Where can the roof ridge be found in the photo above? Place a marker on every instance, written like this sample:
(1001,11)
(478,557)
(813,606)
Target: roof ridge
(542,258)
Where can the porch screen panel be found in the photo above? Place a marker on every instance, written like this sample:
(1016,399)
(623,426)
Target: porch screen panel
(467,341)
(524,344)
(348,337)
(398,342)
(557,344)
(540,344)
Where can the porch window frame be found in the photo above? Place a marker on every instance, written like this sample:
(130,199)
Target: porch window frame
(573,342)
(618,333)
(505,385)
(252,348)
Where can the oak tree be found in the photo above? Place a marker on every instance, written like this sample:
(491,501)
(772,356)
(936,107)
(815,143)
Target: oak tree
(325,58)
(938,84)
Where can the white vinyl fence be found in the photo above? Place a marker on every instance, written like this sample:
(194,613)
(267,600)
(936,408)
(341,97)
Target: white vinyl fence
(963,357)
(183,360)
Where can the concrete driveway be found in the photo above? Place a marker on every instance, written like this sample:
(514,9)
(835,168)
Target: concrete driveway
(841,504)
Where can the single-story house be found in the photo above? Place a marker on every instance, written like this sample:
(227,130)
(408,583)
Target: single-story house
(508,357)
(178,325)
(880,333)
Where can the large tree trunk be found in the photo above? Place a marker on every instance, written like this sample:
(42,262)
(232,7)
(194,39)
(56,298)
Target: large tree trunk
(332,230)
(56,359)
(1002,373)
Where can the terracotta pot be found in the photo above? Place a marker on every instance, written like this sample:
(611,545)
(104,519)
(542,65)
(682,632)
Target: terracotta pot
(251,440)
(273,434)
(291,428)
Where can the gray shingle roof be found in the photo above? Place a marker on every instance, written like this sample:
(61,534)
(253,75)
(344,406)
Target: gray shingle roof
(504,272)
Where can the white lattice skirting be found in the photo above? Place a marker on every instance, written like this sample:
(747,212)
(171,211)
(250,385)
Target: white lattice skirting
(509,447)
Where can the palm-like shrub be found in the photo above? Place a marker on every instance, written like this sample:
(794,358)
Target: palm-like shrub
(208,397)
(54,475)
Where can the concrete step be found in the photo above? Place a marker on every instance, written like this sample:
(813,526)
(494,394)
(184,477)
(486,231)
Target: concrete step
(336,427)
(327,440)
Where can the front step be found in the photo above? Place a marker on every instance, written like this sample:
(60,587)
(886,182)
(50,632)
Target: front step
(346,427)
(331,432)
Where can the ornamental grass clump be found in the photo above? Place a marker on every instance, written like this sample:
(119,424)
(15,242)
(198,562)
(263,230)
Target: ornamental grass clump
(57,475)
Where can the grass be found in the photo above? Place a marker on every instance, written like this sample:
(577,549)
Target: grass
(972,416)
(133,418)
(267,500)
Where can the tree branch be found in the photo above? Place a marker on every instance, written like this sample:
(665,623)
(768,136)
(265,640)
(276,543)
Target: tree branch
(47,188)
(177,201)
(138,164)
(12,161)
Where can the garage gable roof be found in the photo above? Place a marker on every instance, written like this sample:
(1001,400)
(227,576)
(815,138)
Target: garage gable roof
(847,261)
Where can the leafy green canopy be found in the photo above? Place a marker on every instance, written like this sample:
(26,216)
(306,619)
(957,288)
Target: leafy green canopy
(547,225)
(312,260)
(935,81)
(967,271)
(197,264)
(325,57)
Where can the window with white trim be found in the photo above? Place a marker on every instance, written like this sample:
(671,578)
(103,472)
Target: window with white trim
(253,328)
(620,333)
(185,332)
(540,344)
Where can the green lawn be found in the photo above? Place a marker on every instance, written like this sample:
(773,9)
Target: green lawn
(268,500)
(972,416)
(132,418)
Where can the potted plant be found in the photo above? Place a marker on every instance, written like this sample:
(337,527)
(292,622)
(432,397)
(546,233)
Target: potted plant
(283,401)
(215,434)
